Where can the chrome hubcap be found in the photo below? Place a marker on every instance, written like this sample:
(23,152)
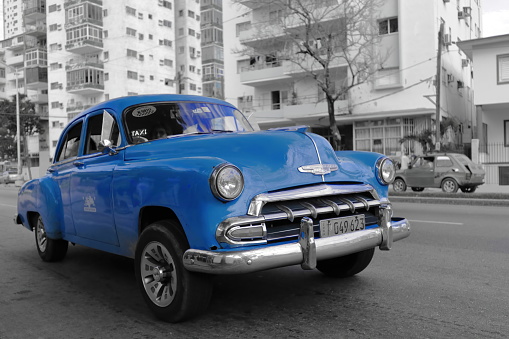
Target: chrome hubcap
(449,186)
(41,235)
(158,274)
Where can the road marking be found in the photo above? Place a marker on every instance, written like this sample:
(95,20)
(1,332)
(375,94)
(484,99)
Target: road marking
(437,222)
(7,205)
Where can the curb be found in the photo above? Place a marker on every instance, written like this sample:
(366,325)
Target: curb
(450,201)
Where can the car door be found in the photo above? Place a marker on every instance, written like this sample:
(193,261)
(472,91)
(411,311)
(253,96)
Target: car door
(63,167)
(91,190)
(422,172)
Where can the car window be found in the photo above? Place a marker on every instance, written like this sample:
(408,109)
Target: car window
(444,161)
(424,162)
(70,146)
(101,127)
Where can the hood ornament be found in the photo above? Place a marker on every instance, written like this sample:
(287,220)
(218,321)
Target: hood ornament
(318,169)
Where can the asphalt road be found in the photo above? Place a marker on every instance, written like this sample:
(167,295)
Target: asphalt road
(447,280)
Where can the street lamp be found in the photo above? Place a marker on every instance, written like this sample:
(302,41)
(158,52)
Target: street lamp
(18,132)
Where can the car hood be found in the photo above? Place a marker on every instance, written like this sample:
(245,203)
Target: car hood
(272,158)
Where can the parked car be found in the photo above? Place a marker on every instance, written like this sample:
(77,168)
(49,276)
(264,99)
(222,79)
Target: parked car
(10,176)
(449,171)
(208,195)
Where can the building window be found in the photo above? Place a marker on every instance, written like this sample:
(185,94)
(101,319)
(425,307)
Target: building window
(503,68)
(130,10)
(132,75)
(131,53)
(131,32)
(388,26)
(241,27)
(506,133)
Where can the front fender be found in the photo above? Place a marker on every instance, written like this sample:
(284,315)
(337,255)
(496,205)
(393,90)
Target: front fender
(365,168)
(181,185)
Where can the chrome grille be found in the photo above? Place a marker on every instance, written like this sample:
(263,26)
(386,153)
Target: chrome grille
(277,215)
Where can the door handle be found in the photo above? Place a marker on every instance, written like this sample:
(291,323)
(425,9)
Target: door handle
(78,163)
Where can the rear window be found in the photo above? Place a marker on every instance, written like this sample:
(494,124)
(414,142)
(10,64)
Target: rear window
(464,160)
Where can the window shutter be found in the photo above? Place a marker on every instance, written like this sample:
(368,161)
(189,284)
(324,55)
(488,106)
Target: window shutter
(503,68)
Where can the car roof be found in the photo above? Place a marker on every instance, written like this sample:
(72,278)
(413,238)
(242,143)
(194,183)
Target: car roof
(121,103)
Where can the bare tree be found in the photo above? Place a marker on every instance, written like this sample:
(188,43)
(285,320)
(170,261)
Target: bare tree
(332,41)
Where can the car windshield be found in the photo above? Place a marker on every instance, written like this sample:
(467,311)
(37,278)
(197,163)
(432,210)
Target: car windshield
(161,120)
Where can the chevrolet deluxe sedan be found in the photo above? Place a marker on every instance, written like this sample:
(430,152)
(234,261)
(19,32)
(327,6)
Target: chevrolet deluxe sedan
(449,171)
(188,188)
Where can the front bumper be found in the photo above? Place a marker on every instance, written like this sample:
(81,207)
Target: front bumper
(306,252)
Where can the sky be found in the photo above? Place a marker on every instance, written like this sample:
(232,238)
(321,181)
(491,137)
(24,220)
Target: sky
(495,17)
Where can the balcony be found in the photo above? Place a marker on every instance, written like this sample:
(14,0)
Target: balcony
(14,43)
(38,98)
(71,3)
(261,34)
(309,64)
(76,107)
(85,88)
(261,74)
(79,63)
(37,31)
(35,10)
(16,61)
(36,57)
(82,21)
(85,46)
(298,111)
(253,4)
(37,78)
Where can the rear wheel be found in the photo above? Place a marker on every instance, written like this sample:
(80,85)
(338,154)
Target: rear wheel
(399,185)
(347,265)
(171,292)
(449,185)
(49,249)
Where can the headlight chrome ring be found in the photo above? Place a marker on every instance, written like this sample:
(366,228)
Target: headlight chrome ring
(386,171)
(226,182)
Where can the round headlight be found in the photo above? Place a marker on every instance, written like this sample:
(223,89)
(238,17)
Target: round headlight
(386,171)
(226,182)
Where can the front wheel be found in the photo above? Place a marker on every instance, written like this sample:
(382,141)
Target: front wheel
(399,185)
(49,249)
(449,186)
(171,292)
(347,265)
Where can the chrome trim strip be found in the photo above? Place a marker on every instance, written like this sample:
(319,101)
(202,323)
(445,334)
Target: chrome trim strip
(321,190)
(258,259)
(317,153)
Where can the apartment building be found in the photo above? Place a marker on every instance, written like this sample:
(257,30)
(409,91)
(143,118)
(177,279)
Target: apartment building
(72,54)
(398,100)
(212,48)
(490,58)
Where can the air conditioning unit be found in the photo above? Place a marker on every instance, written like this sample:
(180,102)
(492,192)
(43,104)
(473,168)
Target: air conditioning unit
(467,11)
(450,78)
(447,39)
(460,84)
(461,15)
(464,62)
(446,0)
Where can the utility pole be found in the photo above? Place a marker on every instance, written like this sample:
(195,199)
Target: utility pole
(439,83)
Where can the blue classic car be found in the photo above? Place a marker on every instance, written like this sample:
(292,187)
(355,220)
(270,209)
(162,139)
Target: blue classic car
(188,188)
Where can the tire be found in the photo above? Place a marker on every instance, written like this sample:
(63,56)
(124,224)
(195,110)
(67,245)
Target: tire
(346,266)
(171,292)
(417,189)
(399,185)
(449,186)
(50,250)
(468,189)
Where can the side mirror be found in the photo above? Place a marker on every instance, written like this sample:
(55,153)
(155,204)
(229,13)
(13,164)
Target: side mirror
(106,147)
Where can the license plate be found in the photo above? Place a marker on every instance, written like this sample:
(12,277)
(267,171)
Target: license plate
(337,226)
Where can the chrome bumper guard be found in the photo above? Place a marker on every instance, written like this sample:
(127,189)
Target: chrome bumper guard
(306,252)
